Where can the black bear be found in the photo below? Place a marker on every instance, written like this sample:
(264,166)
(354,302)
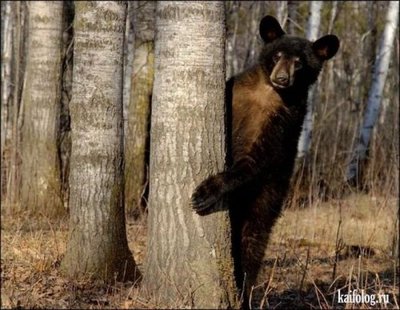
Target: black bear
(268,105)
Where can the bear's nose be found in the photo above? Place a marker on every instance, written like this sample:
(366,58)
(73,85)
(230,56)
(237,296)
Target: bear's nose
(282,78)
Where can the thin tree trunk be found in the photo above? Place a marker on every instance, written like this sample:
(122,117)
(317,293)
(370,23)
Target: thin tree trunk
(6,60)
(230,51)
(14,173)
(304,145)
(40,173)
(189,260)
(66,94)
(291,17)
(253,34)
(136,148)
(375,94)
(333,17)
(281,12)
(129,50)
(7,21)
(97,244)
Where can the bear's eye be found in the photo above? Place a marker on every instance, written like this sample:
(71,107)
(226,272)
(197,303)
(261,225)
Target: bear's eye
(297,64)
(276,57)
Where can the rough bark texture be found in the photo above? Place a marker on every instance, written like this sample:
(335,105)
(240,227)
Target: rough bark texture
(98,243)
(41,187)
(136,148)
(189,259)
(66,94)
(375,94)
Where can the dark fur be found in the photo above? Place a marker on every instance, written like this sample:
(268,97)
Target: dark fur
(268,109)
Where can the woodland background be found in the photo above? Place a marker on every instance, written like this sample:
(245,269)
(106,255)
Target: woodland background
(337,232)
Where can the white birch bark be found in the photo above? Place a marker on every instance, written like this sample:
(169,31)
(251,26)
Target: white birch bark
(281,12)
(374,100)
(129,50)
(6,90)
(312,34)
(6,83)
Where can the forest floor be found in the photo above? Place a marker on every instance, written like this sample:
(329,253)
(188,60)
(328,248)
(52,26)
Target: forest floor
(314,252)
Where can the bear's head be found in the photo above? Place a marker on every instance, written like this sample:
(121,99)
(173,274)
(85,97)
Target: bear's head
(292,61)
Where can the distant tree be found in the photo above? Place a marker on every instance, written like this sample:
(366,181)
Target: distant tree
(189,262)
(232,14)
(312,35)
(136,140)
(40,178)
(66,94)
(281,12)
(6,82)
(98,244)
(291,17)
(7,60)
(371,114)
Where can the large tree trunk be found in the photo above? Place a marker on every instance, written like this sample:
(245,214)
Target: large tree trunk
(189,259)
(41,184)
(136,148)
(375,94)
(98,243)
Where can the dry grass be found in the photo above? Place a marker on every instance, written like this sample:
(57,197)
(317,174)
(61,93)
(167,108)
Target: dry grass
(306,246)
(344,244)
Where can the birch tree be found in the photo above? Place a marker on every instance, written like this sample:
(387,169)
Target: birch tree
(6,84)
(6,90)
(281,12)
(136,148)
(189,262)
(40,173)
(312,35)
(97,243)
(374,100)
(291,17)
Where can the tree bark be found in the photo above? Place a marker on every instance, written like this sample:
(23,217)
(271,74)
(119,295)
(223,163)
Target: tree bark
(97,243)
(375,94)
(232,14)
(66,94)
(189,260)
(281,12)
(291,17)
(6,82)
(136,148)
(304,145)
(40,173)
(7,22)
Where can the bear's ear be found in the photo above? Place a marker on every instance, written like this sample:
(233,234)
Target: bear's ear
(326,47)
(270,29)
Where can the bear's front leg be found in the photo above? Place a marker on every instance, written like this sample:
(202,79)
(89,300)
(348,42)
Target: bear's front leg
(212,189)
(207,194)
